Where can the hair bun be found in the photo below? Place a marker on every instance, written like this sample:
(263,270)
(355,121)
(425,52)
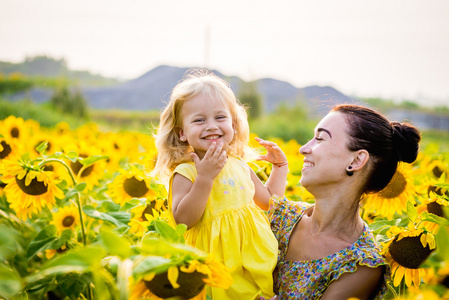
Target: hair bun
(406,140)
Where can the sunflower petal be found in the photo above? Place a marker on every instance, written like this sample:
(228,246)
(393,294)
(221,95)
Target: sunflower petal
(431,241)
(398,276)
(408,277)
(423,240)
(172,275)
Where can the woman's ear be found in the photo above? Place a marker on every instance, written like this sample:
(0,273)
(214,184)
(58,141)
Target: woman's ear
(361,158)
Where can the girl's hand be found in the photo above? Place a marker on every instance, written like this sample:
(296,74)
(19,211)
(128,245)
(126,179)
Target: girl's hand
(213,161)
(274,155)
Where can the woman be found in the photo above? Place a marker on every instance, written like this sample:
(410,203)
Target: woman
(326,250)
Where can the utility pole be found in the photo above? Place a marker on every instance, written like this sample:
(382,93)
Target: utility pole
(207,47)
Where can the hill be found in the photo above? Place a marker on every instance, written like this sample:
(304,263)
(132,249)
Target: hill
(44,66)
(152,90)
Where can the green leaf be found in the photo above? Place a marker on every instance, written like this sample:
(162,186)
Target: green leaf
(8,242)
(73,284)
(167,232)
(80,187)
(425,216)
(412,213)
(442,185)
(84,258)
(130,204)
(110,206)
(10,284)
(37,246)
(115,244)
(181,229)
(150,264)
(42,147)
(42,241)
(378,226)
(75,260)
(117,218)
(72,156)
(442,240)
(92,159)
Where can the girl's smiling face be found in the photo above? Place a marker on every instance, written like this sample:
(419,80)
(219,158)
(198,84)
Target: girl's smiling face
(206,119)
(326,156)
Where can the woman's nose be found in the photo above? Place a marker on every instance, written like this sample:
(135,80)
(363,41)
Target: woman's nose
(305,149)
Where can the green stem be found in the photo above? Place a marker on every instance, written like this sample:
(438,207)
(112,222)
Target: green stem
(83,231)
(49,160)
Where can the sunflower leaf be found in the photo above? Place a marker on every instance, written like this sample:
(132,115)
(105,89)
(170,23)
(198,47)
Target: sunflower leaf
(72,156)
(92,159)
(130,204)
(426,216)
(442,185)
(42,147)
(10,284)
(73,284)
(115,244)
(42,241)
(80,186)
(412,213)
(156,264)
(117,218)
(167,232)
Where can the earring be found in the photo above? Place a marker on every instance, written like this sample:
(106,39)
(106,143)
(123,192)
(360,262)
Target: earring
(350,173)
(182,138)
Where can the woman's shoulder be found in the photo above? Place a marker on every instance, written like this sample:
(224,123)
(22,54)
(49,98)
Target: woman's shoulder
(363,252)
(283,205)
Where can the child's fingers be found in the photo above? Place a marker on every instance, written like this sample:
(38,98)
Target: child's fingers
(195,158)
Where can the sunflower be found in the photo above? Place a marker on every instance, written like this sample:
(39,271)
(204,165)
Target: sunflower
(143,216)
(187,280)
(393,198)
(10,149)
(49,253)
(14,128)
(433,205)
(406,251)
(29,189)
(92,174)
(67,217)
(129,184)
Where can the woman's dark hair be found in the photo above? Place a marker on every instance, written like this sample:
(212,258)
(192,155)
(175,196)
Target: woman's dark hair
(387,142)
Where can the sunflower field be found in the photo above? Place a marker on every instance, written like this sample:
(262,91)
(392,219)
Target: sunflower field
(81,218)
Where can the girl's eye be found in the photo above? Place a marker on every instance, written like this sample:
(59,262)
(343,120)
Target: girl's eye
(221,117)
(198,120)
(318,138)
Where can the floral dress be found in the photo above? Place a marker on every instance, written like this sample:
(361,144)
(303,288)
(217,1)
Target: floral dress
(236,231)
(309,279)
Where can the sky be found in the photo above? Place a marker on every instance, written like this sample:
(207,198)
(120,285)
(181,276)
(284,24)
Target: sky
(392,49)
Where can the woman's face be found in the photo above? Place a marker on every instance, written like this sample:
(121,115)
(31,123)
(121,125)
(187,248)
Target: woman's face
(326,156)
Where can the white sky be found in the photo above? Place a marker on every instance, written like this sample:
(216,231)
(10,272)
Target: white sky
(395,49)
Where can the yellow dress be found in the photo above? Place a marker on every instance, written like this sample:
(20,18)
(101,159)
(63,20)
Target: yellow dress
(235,230)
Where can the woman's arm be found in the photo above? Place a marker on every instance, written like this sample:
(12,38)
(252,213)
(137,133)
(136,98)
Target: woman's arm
(363,284)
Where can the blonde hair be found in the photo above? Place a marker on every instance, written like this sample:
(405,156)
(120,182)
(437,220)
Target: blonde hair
(171,150)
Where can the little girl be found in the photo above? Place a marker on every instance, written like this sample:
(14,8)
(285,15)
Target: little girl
(202,140)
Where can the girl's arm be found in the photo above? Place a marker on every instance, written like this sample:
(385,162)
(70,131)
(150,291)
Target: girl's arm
(189,199)
(277,181)
(362,284)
